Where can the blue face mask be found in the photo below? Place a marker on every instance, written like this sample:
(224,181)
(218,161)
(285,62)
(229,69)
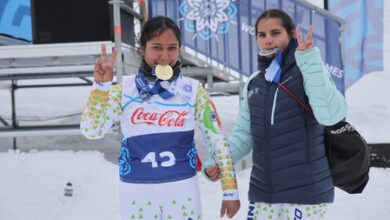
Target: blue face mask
(274,72)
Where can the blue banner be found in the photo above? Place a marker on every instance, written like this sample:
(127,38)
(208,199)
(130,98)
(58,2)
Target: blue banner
(15,19)
(363,36)
(223,30)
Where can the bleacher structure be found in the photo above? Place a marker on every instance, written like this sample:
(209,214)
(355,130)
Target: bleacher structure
(21,61)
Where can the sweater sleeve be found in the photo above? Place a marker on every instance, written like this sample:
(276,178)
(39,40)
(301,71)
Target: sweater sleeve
(328,104)
(240,141)
(218,148)
(102,111)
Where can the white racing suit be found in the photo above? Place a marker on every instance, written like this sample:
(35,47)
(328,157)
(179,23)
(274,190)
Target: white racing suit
(158,156)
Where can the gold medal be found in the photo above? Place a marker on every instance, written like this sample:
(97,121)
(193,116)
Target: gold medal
(163,72)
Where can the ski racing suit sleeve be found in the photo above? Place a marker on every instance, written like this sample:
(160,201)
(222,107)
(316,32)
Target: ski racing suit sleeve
(102,111)
(328,104)
(240,141)
(218,147)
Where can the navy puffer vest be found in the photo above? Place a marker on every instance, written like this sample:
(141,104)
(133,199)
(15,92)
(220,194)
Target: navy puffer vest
(289,161)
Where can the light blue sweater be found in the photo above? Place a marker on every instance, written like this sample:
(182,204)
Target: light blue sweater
(328,104)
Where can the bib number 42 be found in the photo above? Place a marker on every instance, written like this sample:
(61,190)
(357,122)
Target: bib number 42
(151,158)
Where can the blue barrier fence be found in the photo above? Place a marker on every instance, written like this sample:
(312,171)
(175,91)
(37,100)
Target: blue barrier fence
(224,31)
(220,30)
(364,28)
(15,19)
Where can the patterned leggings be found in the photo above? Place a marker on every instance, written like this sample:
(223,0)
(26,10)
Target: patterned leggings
(178,200)
(284,211)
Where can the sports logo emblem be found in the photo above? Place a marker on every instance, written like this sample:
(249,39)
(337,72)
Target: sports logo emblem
(207,18)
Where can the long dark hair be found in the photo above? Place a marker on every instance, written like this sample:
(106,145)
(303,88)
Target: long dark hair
(286,20)
(156,26)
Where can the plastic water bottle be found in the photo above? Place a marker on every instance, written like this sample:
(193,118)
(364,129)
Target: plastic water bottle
(68,191)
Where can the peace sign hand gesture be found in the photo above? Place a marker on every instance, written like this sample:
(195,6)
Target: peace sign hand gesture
(103,70)
(302,43)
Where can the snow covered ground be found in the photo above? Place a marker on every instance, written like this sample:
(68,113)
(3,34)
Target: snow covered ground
(369,106)
(32,181)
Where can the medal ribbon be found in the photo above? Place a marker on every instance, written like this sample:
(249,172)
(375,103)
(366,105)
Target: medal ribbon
(146,91)
(274,71)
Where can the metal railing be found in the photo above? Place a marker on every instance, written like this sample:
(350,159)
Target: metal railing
(69,60)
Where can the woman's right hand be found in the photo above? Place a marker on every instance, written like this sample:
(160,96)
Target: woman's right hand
(213,173)
(304,44)
(103,69)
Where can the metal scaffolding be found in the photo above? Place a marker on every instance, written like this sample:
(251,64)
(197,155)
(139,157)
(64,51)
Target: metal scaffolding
(63,60)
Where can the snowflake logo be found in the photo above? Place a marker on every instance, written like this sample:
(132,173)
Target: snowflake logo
(208,18)
(123,160)
(191,154)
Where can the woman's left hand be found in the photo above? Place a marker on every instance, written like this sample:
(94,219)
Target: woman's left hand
(302,43)
(230,208)
(213,173)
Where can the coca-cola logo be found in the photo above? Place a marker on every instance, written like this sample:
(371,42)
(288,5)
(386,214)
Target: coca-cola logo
(167,119)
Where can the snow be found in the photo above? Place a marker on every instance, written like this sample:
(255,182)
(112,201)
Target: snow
(32,182)
(369,108)
(32,186)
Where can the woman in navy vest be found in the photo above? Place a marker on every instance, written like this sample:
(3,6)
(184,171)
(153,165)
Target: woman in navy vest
(290,176)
